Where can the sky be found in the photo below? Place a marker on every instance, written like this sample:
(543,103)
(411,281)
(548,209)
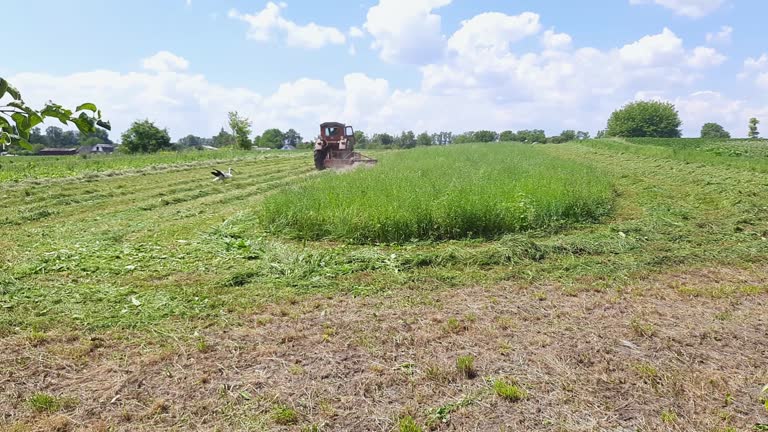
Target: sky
(391,65)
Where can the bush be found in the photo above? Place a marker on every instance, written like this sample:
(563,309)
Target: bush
(714,130)
(645,119)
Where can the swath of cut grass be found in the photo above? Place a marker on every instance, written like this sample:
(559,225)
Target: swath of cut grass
(456,192)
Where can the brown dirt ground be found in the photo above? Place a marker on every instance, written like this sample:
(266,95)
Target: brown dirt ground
(693,344)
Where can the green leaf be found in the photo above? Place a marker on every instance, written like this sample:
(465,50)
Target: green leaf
(3,87)
(56,111)
(4,123)
(86,106)
(83,122)
(104,124)
(13,92)
(24,143)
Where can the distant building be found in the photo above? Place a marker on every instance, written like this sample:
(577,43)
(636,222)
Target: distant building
(97,149)
(58,152)
(288,147)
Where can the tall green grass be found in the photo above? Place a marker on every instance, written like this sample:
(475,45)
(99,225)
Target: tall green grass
(458,192)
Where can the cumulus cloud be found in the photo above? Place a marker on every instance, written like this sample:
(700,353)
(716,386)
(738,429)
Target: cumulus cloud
(721,37)
(406,31)
(703,57)
(689,8)
(555,41)
(659,49)
(702,107)
(757,69)
(269,24)
(165,61)
(492,32)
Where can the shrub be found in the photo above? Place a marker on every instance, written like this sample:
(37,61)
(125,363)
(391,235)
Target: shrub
(645,119)
(714,130)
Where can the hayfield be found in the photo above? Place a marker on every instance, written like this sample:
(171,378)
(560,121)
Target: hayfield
(459,192)
(141,299)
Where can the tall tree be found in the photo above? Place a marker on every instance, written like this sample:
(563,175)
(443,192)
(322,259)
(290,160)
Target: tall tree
(424,139)
(485,136)
(241,129)
(191,141)
(222,139)
(37,137)
(568,135)
(101,135)
(507,136)
(382,140)
(144,137)
(406,140)
(442,138)
(753,132)
(531,136)
(272,138)
(581,135)
(714,130)
(653,119)
(361,140)
(86,117)
(291,137)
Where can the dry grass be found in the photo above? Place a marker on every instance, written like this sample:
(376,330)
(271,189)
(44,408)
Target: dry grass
(585,359)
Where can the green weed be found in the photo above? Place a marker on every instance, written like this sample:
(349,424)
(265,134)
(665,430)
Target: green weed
(43,402)
(510,392)
(284,415)
(408,424)
(466,366)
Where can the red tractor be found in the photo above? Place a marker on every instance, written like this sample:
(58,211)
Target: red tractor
(335,147)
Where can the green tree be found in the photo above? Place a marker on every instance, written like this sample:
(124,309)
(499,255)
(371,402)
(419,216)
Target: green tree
(406,140)
(292,137)
(361,140)
(241,129)
(191,141)
(568,135)
(753,132)
(645,119)
(17,119)
(223,139)
(464,138)
(507,136)
(600,134)
(144,137)
(101,134)
(442,138)
(384,140)
(37,137)
(486,136)
(714,130)
(272,138)
(531,136)
(423,139)
(581,135)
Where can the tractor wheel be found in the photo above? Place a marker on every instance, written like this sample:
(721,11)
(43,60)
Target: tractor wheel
(320,159)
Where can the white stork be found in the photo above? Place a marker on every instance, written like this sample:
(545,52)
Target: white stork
(221,176)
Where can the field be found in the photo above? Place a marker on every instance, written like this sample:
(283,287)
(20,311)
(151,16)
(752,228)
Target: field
(443,193)
(155,299)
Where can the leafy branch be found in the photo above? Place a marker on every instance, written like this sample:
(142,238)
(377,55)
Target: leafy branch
(17,119)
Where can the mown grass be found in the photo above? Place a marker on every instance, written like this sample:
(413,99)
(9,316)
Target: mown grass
(742,154)
(193,252)
(475,191)
(16,168)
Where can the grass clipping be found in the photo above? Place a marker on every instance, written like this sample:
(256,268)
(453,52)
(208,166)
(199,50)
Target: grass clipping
(454,192)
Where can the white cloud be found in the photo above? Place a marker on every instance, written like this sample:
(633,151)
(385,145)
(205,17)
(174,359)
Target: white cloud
(703,57)
(659,49)
(702,107)
(689,8)
(355,32)
(406,31)
(189,3)
(555,41)
(268,24)
(493,32)
(757,69)
(721,37)
(165,61)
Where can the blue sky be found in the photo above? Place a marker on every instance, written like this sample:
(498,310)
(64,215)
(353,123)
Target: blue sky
(392,65)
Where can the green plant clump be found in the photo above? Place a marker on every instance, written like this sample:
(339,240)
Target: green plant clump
(460,192)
